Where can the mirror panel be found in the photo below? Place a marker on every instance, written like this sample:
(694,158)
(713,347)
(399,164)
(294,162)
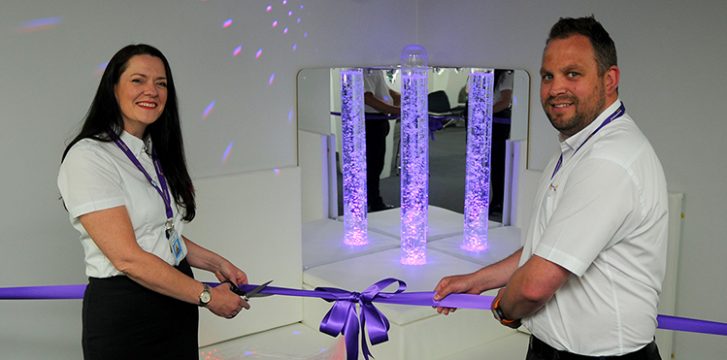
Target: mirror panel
(319,104)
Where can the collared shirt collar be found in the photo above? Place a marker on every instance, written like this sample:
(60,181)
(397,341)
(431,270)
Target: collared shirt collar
(136,145)
(570,144)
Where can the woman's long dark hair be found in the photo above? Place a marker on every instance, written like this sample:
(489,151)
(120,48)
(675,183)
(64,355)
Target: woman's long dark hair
(104,123)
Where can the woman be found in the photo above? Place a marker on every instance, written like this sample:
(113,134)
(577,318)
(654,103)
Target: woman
(125,184)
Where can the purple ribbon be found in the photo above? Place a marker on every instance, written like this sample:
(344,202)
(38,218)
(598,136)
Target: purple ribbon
(52,292)
(343,318)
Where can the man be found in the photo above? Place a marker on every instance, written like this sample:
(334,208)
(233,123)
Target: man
(380,101)
(586,283)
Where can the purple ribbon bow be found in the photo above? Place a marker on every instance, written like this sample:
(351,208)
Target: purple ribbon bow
(345,319)
(342,319)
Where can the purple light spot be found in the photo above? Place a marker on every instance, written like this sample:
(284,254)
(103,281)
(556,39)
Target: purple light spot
(227,23)
(271,79)
(208,110)
(285,31)
(301,6)
(100,68)
(285,2)
(269,8)
(259,53)
(275,23)
(276,171)
(226,154)
(249,353)
(305,34)
(290,12)
(237,50)
(294,47)
(297,20)
(39,24)
(296,332)
(290,115)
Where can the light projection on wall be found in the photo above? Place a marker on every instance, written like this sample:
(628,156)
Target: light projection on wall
(208,110)
(237,50)
(414,155)
(353,145)
(39,24)
(284,18)
(477,180)
(226,154)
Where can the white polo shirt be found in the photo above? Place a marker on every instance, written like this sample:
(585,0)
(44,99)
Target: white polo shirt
(97,175)
(505,84)
(603,217)
(375,83)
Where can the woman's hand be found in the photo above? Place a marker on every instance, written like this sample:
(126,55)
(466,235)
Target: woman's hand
(228,271)
(225,303)
(231,303)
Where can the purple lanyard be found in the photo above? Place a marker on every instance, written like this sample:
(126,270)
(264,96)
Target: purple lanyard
(616,114)
(163,191)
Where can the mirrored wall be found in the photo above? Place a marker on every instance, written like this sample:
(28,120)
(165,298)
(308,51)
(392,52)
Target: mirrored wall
(319,112)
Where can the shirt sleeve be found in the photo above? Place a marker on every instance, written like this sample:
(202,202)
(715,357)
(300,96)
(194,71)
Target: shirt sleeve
(369,81)
(88,181)
(506,83)
(599,197)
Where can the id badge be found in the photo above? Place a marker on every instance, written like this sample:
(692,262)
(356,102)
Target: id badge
(176,245)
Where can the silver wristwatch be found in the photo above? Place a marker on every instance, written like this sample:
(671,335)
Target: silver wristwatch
(205,296)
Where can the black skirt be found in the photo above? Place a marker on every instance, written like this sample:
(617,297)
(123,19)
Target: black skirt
(124,320)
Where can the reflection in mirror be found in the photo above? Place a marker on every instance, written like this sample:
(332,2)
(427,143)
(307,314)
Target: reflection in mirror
(319,112)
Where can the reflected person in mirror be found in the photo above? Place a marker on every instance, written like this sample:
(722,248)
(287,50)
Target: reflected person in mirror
(125,185)
(587,281)
(381,103)
(501,121)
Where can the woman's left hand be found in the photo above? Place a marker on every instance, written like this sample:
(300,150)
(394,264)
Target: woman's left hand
(232,273)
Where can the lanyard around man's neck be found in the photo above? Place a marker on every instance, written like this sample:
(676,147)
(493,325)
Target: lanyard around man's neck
(616,114)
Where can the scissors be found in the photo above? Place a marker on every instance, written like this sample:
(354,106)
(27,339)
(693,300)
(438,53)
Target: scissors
(250,294)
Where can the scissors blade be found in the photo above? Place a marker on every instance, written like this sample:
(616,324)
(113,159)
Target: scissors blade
(255,292)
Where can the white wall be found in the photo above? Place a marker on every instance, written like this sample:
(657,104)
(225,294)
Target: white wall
(671,54)
(48,76)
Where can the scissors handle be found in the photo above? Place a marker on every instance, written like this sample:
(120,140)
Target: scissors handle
(234,288)
(247,294)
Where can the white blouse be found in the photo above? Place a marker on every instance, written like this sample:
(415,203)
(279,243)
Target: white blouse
(97,175)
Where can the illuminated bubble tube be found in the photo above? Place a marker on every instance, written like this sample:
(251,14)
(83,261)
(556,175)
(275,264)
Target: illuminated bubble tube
(477,181)
(353,144)
(414,156)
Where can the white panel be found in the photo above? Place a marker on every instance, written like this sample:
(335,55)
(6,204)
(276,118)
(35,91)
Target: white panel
(295,341)
(667,303)
(323,243)
(501,243)
(312,159)
(253,219)
(314,100)
(512,167)
(442,222)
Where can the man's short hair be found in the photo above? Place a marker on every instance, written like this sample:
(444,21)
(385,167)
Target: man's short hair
(603,46)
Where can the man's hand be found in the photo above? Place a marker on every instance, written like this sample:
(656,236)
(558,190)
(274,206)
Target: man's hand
(455,284)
